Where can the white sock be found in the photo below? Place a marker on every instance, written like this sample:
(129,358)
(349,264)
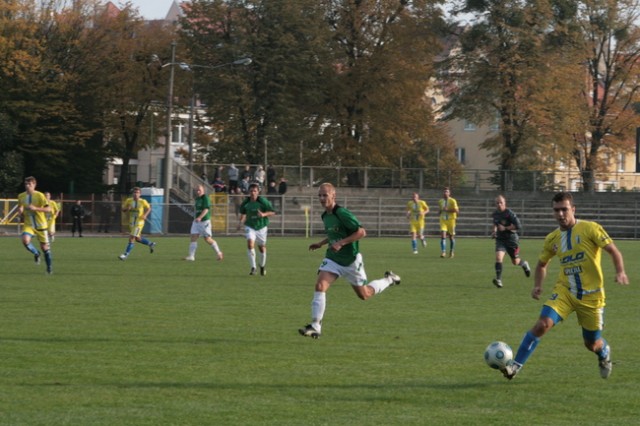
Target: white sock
(318,305)
(192,249)
(263,258)
(380,285)
(251,254)
(215,247)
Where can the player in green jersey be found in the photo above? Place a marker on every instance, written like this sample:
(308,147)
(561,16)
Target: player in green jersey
(342,259)
(201,225)
(254,214)
(578,244)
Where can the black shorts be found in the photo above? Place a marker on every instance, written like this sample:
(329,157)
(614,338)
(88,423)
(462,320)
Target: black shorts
(510,246)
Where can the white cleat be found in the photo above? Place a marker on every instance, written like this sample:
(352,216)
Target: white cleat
(394,277)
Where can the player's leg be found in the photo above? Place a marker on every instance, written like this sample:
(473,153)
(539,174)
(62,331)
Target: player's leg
(193,244)
(414,236)
(134,233)
(251,251)
(328,273)
(443,239)
(514,253)
(452,238)
(553,311)
(261,240)
(591,319)
(27,234)
(43,237)
(500,250)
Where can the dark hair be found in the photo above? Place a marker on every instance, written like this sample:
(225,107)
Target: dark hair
(562,196)
(254,185)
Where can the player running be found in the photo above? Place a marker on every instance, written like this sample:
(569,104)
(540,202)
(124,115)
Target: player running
(138,210)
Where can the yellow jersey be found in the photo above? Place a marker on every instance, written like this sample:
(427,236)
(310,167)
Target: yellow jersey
(138,208)
(448,204)
(55,208)
(35,220)
(579,252)
(415,210)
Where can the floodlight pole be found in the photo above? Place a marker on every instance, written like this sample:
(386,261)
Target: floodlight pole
(168,160)
(167,144)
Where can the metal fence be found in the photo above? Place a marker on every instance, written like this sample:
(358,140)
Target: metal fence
(431,178)
(299,214)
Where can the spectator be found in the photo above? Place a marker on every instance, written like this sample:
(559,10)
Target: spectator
(219,185)
(246,172)
(282,186)
(77,214)
(218,174)
(244,185)
(259,177)
(233,175)
(271,174)
(272,194)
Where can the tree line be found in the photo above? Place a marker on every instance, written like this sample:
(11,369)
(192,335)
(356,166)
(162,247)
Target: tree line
(332,82)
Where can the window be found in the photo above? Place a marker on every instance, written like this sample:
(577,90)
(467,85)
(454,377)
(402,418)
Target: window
(621,161)
(469,126)
(461,155)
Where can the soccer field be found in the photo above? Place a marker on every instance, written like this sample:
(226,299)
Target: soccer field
(156,340)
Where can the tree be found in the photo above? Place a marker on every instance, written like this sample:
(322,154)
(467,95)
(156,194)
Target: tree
(383,54)
(497,71)
(124,69)
(610,44)
(343,80)
(260,112)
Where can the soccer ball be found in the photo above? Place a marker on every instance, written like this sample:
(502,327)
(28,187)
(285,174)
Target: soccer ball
(498,355)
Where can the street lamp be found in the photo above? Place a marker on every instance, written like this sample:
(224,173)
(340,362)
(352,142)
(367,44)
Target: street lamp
(167,146)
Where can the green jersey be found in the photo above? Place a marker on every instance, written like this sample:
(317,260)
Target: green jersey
(339,224)
(250,210)
(203,203)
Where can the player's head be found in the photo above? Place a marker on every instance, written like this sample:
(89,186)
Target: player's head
(327,195)
(446,192)
(501,203)
(200,190)
(30,183)
(254,191)
(415,196)
(47,195)
(563,209)
(136,192)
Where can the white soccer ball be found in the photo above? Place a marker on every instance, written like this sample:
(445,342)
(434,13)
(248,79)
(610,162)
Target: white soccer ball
(498,355)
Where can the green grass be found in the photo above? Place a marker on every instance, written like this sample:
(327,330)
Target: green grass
(159,341)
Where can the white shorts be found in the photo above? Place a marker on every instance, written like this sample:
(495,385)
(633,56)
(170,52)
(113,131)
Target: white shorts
(258,236)
(353,273)
(202,228)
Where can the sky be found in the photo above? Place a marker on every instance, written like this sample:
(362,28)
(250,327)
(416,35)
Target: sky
(151,9)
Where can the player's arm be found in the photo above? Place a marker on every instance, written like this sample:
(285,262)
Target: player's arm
(147,211)
(268,213)
(243,217)
(538,278)
(355,236)
(202,214)
(618,263)
(125,207)
(45,209)
(318,245)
